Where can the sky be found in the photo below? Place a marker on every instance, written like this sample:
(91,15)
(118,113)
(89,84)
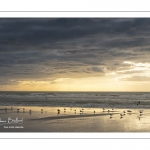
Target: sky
(74,54)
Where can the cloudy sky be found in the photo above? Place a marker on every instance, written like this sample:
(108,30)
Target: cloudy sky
(75,54)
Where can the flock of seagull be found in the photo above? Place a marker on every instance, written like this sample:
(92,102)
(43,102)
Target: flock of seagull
(110,112)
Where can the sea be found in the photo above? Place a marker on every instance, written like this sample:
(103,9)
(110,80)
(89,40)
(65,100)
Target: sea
(76,99)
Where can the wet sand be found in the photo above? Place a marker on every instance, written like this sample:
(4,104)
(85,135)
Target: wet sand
(69,120)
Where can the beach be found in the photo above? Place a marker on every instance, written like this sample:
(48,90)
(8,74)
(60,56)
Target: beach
(49,120)
(74,112)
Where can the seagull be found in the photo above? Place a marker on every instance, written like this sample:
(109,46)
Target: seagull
(30,111)
(121,115)
(138,103)
(141,111)
(129,111)
(111,116)
(58,111)
(94,111)
(81,111)
(64,108)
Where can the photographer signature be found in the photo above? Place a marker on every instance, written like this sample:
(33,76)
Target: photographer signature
(11,121)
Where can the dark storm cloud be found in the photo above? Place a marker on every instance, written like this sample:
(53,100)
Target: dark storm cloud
(52,47)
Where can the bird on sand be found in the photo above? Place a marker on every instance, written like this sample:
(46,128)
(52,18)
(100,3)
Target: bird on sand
(30,111)
(58,110)
(94,111)
(121,115)
(81,111)
(129,111)
(111,116)
(141,111)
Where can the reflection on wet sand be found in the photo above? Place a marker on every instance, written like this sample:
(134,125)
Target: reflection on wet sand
(47,119)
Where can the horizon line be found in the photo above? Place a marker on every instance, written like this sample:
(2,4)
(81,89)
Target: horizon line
(74,91)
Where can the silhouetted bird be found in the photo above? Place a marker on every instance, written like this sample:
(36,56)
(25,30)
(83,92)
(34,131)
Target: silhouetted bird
(94,111)
(111,116)
(138,103)
(58,111)
(129,111)
(64,108)
(141,111)
(30,111)
(121,115)
(81,111)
